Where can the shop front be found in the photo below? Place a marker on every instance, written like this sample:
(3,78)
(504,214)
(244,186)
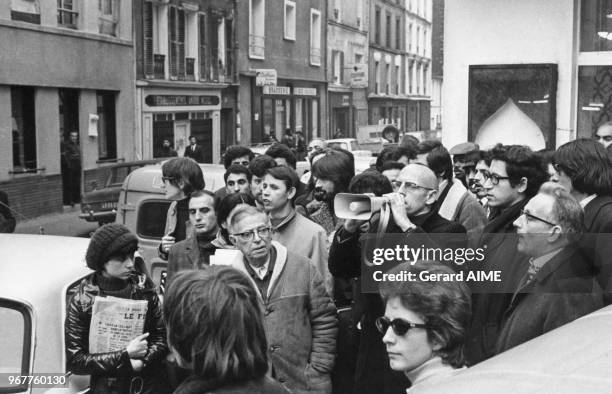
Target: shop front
(286,106)
(406,114)
(342,113)
(175,115)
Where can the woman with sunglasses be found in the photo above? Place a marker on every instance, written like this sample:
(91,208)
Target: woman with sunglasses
(425,324)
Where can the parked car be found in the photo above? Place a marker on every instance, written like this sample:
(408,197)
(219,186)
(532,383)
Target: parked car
(38,273)
(363,157)
(574,358)
(100,204)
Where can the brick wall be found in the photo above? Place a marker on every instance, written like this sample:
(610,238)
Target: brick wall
(34,195)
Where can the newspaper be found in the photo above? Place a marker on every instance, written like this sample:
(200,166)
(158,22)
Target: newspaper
(114,323)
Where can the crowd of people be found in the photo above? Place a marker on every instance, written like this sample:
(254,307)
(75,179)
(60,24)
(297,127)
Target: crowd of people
(286,311)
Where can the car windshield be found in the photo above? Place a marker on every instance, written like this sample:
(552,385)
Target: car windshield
(354,145)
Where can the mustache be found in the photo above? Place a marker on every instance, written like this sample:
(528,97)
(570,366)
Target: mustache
(322,195)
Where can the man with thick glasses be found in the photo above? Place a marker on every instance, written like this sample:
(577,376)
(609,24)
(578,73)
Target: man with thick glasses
(515,175)
(300,317)
(558,285)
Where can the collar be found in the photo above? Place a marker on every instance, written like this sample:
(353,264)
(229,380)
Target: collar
(586,200)
(262,271)
(418,220)
(430,372)
(536,263)
(286,220)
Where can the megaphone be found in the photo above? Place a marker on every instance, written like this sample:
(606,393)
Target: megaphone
(357,206)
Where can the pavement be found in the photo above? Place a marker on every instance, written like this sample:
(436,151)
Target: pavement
(65,223)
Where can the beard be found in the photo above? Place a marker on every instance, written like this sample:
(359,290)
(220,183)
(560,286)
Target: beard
(322,195)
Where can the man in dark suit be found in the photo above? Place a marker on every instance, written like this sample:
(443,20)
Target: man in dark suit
(413,221)
(194,252)
(194,150)
(558,286)
(7,220)
(515,175)
(584,168)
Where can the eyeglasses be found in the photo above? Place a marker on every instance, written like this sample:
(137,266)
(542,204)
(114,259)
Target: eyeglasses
(167,178)
(534,217)
(262,232)
(400,327)
(397,186)
(494,178)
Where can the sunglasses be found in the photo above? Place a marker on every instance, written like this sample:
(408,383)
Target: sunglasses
(399,326)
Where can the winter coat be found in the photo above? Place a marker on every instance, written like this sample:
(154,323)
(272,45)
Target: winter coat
(306,238)
(185,255)
(115,366)
(596,242)
(266,385)
(300,321)
(562,291)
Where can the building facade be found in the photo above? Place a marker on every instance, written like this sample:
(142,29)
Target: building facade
(437,63)
(185,75)
(66,66)
(536,72)
(400,63)
(347,56)
(284,40)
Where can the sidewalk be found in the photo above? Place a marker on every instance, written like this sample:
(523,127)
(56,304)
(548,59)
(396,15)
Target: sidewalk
(66,223)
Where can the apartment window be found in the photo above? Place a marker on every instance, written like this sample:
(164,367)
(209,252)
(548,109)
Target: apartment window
(388,30)
(377,77)
(388,78)
(257,24)
(176,35)
(409,43)
(596,25)
(425,46)
(418,39)
(397,79)
(290,20)
(398,33)
(25,11)
(425,79)
(107,136)
(315,37)
(24,128)
(418,79)
(337,67)
(377,26)
(109,16)
(67,14)
(336,10)
(410,76)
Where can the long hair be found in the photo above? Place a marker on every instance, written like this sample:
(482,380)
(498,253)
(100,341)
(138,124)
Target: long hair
(215,324)
(187,170)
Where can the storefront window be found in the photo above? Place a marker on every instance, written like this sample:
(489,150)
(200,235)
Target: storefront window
(107,132)
(24,128)
(596,25)
(594,98)
(268,117)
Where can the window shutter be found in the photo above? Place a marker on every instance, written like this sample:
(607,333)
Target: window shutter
(341,67)
(181,44)
(148,39)
(173,46)
(203,51)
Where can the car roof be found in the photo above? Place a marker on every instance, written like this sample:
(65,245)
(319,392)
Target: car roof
(147,179)
(32,266)
(573,358)
(346,140)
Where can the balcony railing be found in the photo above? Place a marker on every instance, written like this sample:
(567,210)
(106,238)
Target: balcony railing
(315,56)
(257,46)
(190,68)
(67,18)
(159,71)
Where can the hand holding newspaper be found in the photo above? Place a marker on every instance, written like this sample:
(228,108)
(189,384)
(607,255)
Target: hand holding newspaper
(115,322)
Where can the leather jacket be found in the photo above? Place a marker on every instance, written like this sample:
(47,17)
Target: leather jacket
(112,364)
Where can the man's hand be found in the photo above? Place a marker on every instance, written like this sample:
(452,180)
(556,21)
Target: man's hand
(166,242)
(137,365)
(352,225)
(398,209)
(137,347)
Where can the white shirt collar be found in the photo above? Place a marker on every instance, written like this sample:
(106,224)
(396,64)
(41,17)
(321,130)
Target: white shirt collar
(586,200)
(261,271)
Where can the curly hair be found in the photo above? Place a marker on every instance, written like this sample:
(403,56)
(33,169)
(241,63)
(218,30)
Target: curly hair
(443,305)
(234,151)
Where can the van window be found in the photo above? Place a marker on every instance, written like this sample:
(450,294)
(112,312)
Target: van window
(152,219)
(15,346)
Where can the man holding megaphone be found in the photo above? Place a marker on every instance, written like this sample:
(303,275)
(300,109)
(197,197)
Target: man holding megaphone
(409,201)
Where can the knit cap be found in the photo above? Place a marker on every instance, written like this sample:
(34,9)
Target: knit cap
(108,241)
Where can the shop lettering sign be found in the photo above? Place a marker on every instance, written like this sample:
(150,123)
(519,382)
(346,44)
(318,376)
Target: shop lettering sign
(265,77)
(159,100)
(305,91)
(279,90)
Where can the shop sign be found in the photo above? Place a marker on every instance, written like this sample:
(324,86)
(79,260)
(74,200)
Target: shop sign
(159,100)
(359,76)
(265,77)
(305,91)
(346,100)
(279,90)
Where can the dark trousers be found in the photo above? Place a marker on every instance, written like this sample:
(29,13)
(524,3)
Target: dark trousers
(71,178)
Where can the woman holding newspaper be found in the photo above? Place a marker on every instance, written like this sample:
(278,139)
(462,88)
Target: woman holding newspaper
(114,327)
